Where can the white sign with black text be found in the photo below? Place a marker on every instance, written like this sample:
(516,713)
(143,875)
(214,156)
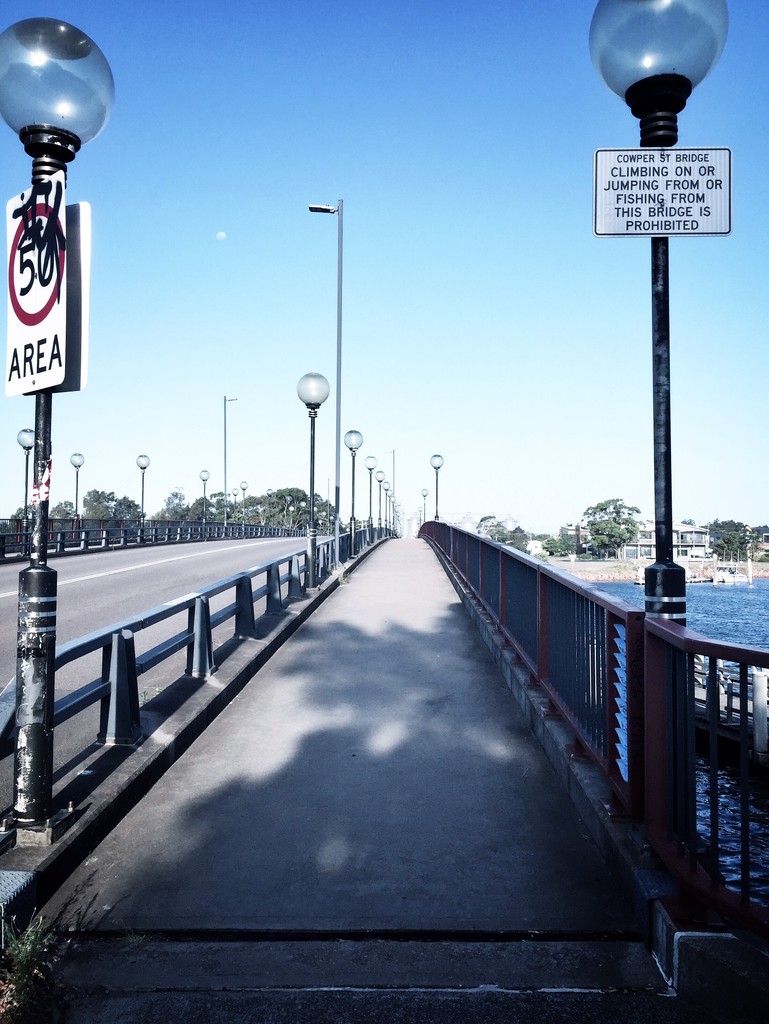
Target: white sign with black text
(656,192)
(37,287)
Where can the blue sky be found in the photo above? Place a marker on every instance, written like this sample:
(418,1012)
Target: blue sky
(482,318)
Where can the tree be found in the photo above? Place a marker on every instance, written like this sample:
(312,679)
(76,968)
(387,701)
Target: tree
(99,504)
(518,538)
(106,505)
(611,525)
(175,507)
(490,526)
(730,539)
(64,510)
(558,546)
(196,511)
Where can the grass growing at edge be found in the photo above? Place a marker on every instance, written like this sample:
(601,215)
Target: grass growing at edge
(26,974)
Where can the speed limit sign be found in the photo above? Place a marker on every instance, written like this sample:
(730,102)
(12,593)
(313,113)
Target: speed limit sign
(37,287)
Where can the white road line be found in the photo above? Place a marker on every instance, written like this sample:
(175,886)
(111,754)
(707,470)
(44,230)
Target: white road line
(146,565)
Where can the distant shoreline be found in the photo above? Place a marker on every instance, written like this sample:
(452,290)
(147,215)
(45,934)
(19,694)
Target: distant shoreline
(612,571)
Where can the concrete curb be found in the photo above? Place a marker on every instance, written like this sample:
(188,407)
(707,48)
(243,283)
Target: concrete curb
(112,780)
(718,971)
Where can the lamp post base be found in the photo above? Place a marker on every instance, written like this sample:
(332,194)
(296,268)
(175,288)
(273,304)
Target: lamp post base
(312,549)
(665,591)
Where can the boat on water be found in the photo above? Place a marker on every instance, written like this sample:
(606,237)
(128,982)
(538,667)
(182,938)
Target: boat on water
(730,574)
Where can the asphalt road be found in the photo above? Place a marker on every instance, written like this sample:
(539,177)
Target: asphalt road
(99,589)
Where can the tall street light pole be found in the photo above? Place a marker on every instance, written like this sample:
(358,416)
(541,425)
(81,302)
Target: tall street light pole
(652,55)
(226,496)
(339,211)
(56,94)
(313,389)
(424,504)
(436,462)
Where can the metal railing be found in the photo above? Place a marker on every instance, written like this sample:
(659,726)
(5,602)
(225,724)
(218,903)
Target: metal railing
(652,704)
(116,688)
(99,534)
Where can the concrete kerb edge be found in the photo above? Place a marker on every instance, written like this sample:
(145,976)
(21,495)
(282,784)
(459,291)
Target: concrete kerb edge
(733,964)
(112,799)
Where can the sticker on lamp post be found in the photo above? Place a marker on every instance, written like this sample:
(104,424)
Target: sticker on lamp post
(37,288)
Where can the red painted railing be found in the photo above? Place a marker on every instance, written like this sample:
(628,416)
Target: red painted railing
(646,701)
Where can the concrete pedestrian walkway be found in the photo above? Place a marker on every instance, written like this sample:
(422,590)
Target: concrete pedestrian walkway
(375,781)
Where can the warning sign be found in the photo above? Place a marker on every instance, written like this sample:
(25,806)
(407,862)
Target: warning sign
(37,287)
(671,191)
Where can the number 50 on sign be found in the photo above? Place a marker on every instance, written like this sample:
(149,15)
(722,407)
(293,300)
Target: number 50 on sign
(37,288)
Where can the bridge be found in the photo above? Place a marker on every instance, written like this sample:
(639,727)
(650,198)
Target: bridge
(427,789)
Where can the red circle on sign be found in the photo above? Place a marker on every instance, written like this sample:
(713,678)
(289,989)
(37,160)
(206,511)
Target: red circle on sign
(27,318)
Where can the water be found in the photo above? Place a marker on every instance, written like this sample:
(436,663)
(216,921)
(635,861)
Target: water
(729,831)
(736,614)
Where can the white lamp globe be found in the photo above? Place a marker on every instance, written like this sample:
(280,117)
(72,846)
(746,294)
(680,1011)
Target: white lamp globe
(313,389)
(631,40)
(52,74)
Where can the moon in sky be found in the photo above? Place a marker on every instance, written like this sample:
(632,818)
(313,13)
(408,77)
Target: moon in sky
(221,236)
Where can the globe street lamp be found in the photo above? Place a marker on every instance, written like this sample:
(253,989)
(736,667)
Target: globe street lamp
(652,54)
(386,486)
(234,493)
(379,477)
(339,211)
(142,461)
(77,461)
(424,504)
(370,464)
(205,476)
(436,462)
(244,488)
(56,93)
(312,389)
(353,439)
(26,438)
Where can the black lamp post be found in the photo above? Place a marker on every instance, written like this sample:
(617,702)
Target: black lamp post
(56,93)
(205,476)
(77,461)
(370,464)
(244,488)
(424,504)
(312,389)
(353,439)
(436,462)
(379,477)
(386,486)
(142,461)
(652,54)
(26,438)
